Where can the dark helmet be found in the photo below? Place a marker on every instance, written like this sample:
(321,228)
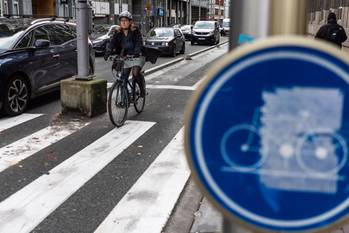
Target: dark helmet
(125,14)
(332,17)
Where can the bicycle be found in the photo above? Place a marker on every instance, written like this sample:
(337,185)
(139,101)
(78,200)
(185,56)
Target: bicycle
(314,145)
(123,93)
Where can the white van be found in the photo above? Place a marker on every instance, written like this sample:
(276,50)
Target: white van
(226,26)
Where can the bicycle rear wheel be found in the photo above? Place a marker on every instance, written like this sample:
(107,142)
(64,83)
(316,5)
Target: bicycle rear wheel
(118,104)
(139,101)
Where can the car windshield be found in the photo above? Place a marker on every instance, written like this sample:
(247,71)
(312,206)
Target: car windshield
(8,37)
(161,32)
(185,28)
(226,24)
(99,30)
(11,30)
(204,25)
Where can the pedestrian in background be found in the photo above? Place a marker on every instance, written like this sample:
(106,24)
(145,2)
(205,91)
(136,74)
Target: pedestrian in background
(332,31)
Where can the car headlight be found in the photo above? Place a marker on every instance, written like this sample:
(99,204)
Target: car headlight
(165,43)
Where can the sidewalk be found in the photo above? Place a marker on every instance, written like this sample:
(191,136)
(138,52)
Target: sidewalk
(195,214)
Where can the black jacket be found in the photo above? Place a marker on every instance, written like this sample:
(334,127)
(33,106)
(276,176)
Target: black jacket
(332,31)
(135,35)
(115,46)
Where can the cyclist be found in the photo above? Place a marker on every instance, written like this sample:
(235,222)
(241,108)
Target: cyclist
(128,42)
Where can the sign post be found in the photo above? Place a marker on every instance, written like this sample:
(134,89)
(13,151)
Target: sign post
(267,136)
(82,15)
(266,133)
(258,19)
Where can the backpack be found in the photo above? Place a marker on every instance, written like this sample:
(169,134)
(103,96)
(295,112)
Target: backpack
(333,34)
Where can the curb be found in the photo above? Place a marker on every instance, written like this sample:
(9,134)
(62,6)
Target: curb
(165,65)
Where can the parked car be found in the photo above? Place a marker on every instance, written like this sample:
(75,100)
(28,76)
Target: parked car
(206,32)
(187,31)
(226,26)
(176,26)
(101,41)
(34,57)
(169,41)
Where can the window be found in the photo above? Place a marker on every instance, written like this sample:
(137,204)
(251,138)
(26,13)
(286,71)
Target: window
(40,33)
(178,33)
(15,8)
(26,41)
(59,34)
(5,7)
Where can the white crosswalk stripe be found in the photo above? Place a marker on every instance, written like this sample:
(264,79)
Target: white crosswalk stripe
(149,203)
(13,121)
(146,207)
(26,147)
(25,209)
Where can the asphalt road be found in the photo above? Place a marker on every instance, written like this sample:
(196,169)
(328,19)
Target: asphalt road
(103,68)
(84,207)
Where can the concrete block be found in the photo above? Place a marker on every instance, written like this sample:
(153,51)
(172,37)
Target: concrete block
(86,97)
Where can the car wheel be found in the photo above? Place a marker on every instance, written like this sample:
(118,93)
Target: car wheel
(17,94)
(183,49)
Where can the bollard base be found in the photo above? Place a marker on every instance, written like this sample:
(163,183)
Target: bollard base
(87,97)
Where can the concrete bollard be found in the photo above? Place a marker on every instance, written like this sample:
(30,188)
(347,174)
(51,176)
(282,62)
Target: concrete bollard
(87,97)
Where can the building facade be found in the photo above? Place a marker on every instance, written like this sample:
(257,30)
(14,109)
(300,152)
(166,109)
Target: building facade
(147,13)
(216,10)
(200,10)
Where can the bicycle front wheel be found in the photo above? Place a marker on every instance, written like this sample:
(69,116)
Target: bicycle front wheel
(118,104)
(139,101)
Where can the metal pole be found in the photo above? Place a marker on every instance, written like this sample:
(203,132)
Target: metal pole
(289,17)
(250,17)
(199,10)
(82,10)
(261,18)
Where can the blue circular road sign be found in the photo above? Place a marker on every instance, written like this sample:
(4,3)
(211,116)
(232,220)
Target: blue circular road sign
(267,135)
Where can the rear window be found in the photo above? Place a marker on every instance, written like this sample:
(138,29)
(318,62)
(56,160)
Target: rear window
(161,32)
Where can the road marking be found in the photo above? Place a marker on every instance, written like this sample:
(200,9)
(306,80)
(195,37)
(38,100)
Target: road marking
(149,203)
(168,87)
(25,209)
(172,87)
(7,123)
(197,85)
(14,153)
(198,62)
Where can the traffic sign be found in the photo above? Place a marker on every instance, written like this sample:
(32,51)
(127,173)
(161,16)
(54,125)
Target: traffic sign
(267,135)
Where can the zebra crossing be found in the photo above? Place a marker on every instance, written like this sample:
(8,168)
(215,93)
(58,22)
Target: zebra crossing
(145,207)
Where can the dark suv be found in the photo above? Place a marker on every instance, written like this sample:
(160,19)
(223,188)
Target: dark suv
(35,55)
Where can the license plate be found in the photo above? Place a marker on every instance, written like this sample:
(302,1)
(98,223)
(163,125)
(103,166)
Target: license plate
(201,38)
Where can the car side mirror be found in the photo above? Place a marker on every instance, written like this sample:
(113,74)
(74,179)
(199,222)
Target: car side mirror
(40,43)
